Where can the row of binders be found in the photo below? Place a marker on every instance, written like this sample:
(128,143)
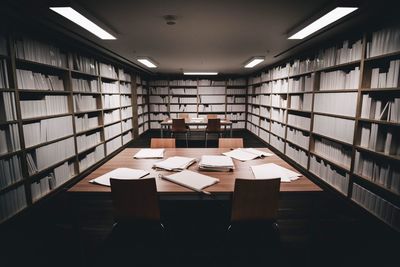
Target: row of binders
(38,81)
(336,178)
(336,103)
(111,101)
(298,155)
(211,90)
(86,121)
(10,171)
(384,42)
(12,202)
(3,74)
(386,79)
(88,140)
(333,151)
(84,103)
(113,145)
(87,86)
(378,206)
(339,80)
(112,131)
(47,130)
(44,105)
(301,102)
(91,158)
(380,172)
(380,109)
(8,110)
(9,138)
(298,137)
(336,128)
(37,51)
(108,70)
(380,139)
(83,64)
(111,116)
(52,180)
(110,87)
(301,84)
(45,156)
(183,91)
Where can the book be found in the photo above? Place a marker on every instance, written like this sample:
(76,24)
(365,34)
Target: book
(272,171)
(175,163)
(192,180)
(120,173)
(244,154)
(216,163)
(150,153)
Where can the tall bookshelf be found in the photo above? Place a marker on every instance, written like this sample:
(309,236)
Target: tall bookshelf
(198,98)
(63,113)
(142,94)
(335,115)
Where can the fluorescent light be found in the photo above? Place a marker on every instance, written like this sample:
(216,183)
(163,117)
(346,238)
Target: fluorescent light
(323,21)
(253,62)
(76,17)
(200,73)
(147,62)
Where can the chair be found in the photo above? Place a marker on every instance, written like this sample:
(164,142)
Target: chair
(212,116)
(230,143)
(253,229)
(162,143)
(184,116)
(137,219)
(213,126)
(179,126)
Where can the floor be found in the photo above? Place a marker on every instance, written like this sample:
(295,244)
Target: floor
(322,231)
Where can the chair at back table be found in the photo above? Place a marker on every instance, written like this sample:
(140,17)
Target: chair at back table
(213,126)
(179,127)
(230,143)
(162,143)
(212,116)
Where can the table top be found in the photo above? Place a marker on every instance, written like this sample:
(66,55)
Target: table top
(189,121)
(227,179)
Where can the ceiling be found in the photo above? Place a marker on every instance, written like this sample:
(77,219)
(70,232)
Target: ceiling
(210,35)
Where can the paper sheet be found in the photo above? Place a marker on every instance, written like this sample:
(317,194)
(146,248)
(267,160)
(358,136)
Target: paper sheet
(150,153)
(271,171)
(120,173)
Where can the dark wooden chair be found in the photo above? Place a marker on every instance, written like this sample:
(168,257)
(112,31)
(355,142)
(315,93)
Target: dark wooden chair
(255,206)
(137,225)
(162,143)
(179,127)
(253,229)
(230,143)
(213,127)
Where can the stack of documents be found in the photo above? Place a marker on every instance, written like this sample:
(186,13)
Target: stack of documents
(150,153)
(192,180)
(272,171)
(245,154)
(175,163)
(216,163)
(120,173)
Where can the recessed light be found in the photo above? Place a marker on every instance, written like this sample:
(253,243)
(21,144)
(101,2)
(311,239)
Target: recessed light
(78,18)
(253,62)
(200,73)
(147,62)
(323,21)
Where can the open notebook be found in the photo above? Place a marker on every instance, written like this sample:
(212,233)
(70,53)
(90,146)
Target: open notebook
(271,171)
(149,153)
(216,163)
(192,180)
(244,154)
(175,163)
(120,173)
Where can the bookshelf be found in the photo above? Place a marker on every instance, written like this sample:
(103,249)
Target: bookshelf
(334,114)
(62,114)
(197,98)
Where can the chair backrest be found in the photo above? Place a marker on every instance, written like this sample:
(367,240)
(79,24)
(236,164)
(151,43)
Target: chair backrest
(230,142)
(178,125)
(135,200)
(212,116)
(255,200)
(183,116)
(162,143)
(213,125)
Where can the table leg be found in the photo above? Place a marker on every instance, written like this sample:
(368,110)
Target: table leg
(231,130)
(161,129)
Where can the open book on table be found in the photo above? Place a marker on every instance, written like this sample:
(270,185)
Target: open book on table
(244,154)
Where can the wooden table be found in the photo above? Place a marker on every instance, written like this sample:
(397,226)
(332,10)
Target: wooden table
(165,188)
(167,123)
